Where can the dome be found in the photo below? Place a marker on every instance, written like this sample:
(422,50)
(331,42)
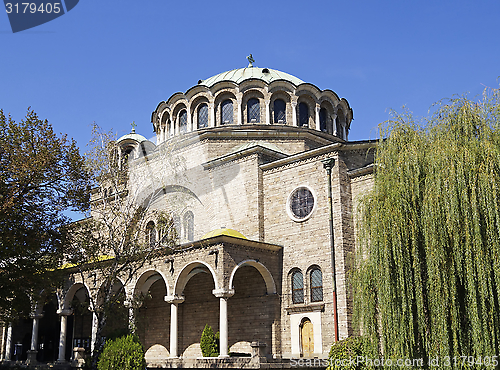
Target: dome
(133,136)
(224,231)
(239,75)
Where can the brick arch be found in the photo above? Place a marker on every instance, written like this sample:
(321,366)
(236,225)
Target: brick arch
(188,271)
(264,272)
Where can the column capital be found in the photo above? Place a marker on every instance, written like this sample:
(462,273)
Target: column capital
(65,312)
(223,293)
(174,299)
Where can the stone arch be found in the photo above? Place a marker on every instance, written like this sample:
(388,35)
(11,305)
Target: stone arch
(249,94)
(70,294)
(310,101)
(147,279)
(220,98)
(264,272)
(180,106)
(196,103)
(327,105)
(188,271)
(286,97)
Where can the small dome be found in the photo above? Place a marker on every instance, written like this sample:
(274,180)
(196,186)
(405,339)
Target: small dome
(239,75)
(224,231)
(133,136)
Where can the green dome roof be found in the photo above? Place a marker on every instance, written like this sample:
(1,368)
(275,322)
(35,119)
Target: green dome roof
(133,136)
(239,75)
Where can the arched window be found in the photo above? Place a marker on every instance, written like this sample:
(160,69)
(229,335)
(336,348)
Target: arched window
(303,115)
(203,116)
(322,120)
(151,233)
(316,285)
(189,226)
(279,111)
(297,287)
(253,111)
(227,112)
(183,121)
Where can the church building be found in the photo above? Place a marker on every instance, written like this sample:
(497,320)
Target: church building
(270,185)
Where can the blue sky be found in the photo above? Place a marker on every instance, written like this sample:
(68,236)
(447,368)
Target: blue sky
(112,62)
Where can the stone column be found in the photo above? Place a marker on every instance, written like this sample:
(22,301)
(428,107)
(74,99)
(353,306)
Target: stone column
(174,301)
(294,113)
(34,339)
(268,118)
(223,295)
(334,124)
(94,331)
(62,336)
(211,107)
(318,126)
(131,317)
(238,111)
(8,343)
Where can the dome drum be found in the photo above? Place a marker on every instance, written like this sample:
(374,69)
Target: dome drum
(248,96)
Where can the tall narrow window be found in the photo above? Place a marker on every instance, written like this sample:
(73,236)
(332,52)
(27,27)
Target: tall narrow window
(316,285)
(227,112)
(303,114)
(189,226)
(322,120)
(151,233)
(183,121)
(297,287)
(279,111)
(253,110)
(203,116)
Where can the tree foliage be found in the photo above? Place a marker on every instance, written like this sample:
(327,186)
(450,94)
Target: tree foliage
(428,281)
(41,176)
(209,343)
(124,353)
(111,246)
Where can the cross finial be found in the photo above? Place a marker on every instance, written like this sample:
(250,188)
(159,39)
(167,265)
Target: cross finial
(251,60)
(134,125)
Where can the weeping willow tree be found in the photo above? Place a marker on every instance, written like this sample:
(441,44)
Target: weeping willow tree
(428,279)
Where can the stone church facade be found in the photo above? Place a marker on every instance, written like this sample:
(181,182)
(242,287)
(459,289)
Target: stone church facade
(270,185)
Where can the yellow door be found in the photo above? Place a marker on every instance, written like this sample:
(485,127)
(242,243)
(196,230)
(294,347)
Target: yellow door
(307,339)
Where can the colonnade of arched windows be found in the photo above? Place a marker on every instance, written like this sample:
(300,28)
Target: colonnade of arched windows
(306,112)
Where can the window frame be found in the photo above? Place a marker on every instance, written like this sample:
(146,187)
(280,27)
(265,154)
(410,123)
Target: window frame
(316,288)
(225,103)
(299,290)
(256,102)
(290,199)
(202,105)
(276,118)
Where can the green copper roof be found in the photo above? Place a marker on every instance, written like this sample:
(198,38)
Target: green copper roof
(239,75)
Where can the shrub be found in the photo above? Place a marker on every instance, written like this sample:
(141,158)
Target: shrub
(124,353)
(342,352)
(209,342)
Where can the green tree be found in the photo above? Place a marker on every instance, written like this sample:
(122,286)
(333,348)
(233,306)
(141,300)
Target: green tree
(209,342)
(428,279)
(111,246)
(124,353)
(41,176)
